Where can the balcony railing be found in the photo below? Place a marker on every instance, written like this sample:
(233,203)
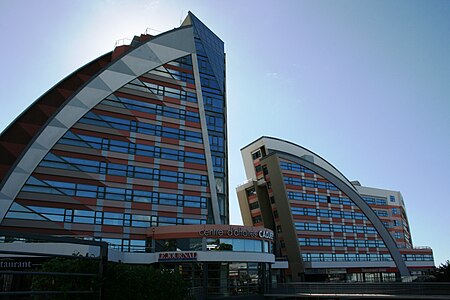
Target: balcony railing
(122,42)
(422,247)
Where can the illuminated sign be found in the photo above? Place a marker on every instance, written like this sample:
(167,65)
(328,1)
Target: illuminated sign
(177,256)
(237,232)
(266,234)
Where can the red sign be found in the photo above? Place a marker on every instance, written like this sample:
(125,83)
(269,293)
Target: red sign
(176,256)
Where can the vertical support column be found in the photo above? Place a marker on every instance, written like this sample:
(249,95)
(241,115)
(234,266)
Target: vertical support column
(205,279)
(153,241)
(102,267)
(209,164)
(293,251)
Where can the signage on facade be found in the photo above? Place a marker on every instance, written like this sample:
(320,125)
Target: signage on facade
(336,271)
(177,256)
(15,264)
(266,234)
(237,232)
(374,270)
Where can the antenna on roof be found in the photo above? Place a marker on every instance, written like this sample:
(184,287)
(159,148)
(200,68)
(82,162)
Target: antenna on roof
(181,16)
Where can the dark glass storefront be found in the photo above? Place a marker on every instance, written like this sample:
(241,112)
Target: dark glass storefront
(223,278)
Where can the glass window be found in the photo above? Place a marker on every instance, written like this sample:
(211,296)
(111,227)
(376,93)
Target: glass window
(83,216)
(141,221)
(256,154)
(68,215)
(114,193)
(238,245)
(254,205)
(47,210)
(250,192)
(88,191)
(338,243)
(265,246)
(115,219)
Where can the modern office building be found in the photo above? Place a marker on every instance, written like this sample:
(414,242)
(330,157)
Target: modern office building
(131,149)
(326,227)
(134,139)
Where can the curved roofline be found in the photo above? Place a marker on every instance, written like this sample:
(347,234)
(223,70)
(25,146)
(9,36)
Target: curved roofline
(103,82)
(56,85)
(301,147)
(67,100)
(75,73)
(28,109)
(357,199)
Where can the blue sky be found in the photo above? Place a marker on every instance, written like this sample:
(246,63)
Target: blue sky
(364,84)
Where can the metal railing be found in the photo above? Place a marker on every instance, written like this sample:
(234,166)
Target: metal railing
(122,42)
(245,182)
(411,289)
(151,31)
(422,247)
(197,293)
